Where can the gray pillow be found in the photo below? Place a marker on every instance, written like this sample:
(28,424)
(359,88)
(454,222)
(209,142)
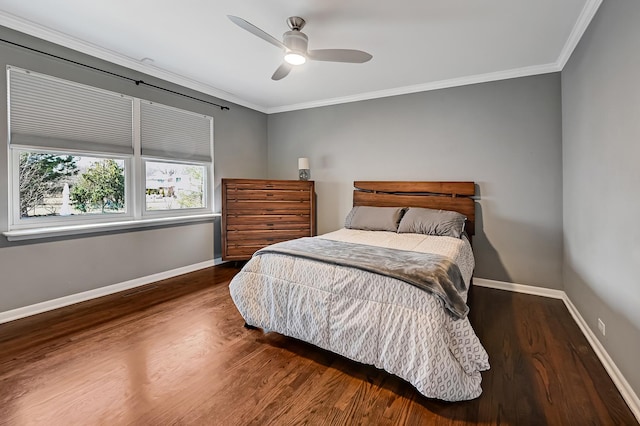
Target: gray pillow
(432,222)
(374,218)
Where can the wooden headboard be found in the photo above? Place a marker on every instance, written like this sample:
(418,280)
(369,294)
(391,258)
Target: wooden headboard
(455,196)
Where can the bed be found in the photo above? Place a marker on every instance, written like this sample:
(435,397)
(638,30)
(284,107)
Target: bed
(392,298)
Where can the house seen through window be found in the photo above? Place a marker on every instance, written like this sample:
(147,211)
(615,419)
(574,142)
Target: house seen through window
(174,186)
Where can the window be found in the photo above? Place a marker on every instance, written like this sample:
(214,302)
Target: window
(84,155)
(168,135)
(171,186)
(55,184)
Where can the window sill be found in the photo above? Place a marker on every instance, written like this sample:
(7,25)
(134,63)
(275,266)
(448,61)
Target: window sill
(62,231)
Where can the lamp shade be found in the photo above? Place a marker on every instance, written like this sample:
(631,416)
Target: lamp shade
(303,163)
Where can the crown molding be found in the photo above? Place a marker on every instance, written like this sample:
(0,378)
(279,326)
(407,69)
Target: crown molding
(584,19)
(442,84)
(582,23)
(586,15)
(65,40)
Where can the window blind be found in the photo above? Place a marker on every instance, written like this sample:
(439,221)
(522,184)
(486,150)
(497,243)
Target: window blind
(170,133)
(54,113)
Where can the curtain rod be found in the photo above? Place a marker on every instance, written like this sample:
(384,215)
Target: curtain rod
(137,82)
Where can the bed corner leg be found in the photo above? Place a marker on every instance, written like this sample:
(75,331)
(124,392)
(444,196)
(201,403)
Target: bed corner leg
(249,327)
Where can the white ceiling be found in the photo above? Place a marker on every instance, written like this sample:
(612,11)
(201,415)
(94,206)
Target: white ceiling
(416,45)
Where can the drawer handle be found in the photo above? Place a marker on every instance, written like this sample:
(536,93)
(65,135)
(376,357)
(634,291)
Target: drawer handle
(269,224)
(269,239)
(269,195)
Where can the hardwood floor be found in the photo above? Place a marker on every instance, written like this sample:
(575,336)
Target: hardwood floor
(176,353)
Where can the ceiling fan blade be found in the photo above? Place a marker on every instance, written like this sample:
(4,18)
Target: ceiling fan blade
(256,31)
(339,55)
(282,71)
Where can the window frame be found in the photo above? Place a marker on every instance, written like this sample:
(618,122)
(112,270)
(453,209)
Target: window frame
(135,180)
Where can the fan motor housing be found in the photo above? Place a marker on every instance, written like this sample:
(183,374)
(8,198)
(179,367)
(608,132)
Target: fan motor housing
(296,41)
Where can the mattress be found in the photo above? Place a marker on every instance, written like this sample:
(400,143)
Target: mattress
(369,318)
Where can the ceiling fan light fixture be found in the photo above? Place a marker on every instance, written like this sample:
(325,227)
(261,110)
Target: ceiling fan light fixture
(295,44)
(294,58)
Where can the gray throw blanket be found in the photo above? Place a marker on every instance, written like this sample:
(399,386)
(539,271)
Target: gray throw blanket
(428,271)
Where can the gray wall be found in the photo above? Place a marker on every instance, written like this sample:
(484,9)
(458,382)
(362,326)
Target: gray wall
(46,269)
(505,135)
(601,163)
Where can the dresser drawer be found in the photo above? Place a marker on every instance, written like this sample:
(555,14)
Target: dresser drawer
(271,207)
(248,247)
(246,184)
(256,244)
(241,252)
(267,235)
(268,226)
(267,195)
(262,219)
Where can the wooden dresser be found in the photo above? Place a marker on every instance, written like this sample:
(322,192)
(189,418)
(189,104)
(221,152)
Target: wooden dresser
(257,213)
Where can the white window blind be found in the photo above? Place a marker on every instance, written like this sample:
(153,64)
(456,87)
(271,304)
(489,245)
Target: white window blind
(54,113)
(170,133)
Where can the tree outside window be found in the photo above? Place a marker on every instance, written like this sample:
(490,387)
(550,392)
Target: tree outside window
(100,187)
(97,184)
(41,178)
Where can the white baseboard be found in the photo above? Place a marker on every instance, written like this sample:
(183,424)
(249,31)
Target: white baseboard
(630,397)
(60,302)
(520,288)
(621,383)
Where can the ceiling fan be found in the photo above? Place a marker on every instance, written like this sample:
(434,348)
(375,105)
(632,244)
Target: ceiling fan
(294,44)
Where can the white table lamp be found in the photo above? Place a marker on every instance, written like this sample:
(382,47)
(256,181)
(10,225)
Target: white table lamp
(304,173)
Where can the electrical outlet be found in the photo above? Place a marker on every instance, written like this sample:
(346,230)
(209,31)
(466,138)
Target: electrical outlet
(601,326)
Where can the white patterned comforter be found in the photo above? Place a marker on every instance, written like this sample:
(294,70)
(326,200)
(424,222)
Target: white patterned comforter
(367,317)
